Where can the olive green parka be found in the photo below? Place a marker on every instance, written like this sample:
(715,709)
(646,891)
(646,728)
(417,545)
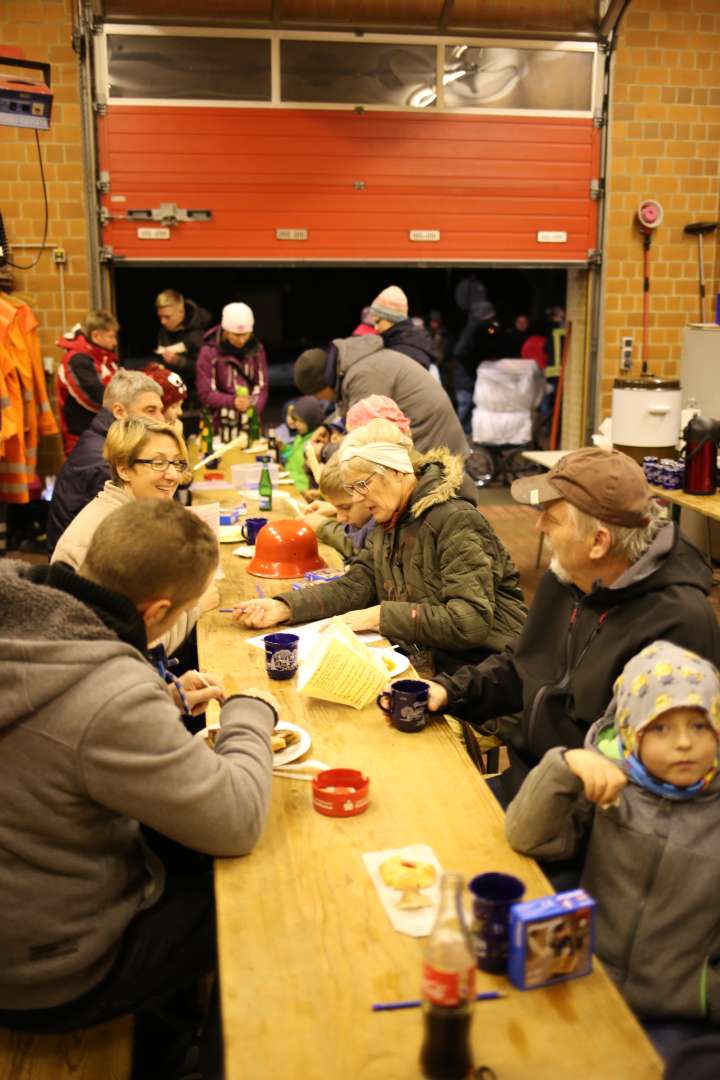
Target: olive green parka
(443,579)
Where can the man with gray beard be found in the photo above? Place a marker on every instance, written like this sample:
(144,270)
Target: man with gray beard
(620,578)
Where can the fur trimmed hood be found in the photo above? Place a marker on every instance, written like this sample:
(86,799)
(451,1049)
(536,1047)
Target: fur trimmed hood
(440,478)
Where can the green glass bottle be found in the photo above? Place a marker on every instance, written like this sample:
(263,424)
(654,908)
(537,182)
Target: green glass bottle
(254,430)
(206,433)
(265,484)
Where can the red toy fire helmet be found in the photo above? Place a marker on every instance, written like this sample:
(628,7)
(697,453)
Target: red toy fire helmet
(285,549)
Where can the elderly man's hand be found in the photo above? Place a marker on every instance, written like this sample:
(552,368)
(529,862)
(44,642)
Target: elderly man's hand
(437,696)
(261,613)
(363,618)
(602,780)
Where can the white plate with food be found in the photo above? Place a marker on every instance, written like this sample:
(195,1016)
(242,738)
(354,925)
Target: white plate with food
(245,551)
(291,741)
(230,534)
(395,662)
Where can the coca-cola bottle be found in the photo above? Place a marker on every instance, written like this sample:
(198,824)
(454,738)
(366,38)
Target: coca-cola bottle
(448,989)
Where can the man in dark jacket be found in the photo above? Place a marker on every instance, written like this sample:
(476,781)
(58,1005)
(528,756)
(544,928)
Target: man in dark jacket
(619,579)
(182,325)
(354,368)
(129,393)
(390,311)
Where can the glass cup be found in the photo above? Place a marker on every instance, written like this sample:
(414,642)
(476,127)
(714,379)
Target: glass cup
(281,655)
(493,896)
(251,528)
(406,703)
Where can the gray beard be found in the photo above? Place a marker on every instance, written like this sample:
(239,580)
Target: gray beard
(559,571)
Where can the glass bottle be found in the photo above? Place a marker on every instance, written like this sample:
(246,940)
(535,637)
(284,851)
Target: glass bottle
(448,988)
(265,484)
(273,444)
(206,433)
(254,430)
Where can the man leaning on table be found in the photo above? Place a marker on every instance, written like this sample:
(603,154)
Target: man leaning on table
(95,762)
(619,579)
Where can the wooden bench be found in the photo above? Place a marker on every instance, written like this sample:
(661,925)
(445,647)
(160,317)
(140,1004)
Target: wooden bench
(98,1053)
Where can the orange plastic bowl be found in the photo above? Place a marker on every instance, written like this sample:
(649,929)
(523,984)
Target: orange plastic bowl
(285,549)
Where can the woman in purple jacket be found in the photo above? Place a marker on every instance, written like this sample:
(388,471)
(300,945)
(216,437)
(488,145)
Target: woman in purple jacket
(232,371)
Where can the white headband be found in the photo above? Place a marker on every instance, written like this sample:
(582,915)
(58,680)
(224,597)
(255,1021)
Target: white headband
(380,453)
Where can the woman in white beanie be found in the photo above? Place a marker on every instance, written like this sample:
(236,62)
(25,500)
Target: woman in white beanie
(232,371)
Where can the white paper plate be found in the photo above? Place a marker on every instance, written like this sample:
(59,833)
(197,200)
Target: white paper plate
(284,757)
(398,661)
(245,551)
(230,534)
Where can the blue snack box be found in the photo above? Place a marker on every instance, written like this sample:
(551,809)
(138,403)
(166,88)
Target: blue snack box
(231,515)
(552,939)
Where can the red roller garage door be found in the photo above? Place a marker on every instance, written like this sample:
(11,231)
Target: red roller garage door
(357,186)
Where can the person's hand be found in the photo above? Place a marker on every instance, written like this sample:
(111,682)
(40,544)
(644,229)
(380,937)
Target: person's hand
(210,599)
(199,690)
(265,695)
(168,356)
(363,618)
(321,506)
(261,613)
(602,780)
(243,403)
(437,696)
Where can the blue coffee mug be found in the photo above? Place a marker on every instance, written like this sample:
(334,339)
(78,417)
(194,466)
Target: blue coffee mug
(281,655)
(251,528)
(408,704)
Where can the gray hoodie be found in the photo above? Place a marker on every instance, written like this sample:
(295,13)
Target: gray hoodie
(92,745)
(652,864)
(366,367)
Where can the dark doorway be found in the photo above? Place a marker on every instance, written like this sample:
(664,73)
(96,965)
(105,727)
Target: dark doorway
(301,306)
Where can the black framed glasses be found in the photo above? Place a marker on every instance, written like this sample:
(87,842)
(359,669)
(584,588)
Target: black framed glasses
(161,465)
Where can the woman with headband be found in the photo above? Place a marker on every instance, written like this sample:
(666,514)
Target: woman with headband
(434,577)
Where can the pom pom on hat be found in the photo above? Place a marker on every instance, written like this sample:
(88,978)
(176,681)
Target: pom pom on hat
(172,386)
(390,304)
(238,319)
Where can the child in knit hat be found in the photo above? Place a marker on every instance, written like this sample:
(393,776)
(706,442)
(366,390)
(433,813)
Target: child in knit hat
(646,789)
(304,416)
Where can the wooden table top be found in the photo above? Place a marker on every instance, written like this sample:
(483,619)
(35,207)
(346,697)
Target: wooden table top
(709,505)
(305,946)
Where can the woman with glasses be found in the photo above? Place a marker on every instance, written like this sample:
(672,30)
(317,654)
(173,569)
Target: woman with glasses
(433,576)
(147,461)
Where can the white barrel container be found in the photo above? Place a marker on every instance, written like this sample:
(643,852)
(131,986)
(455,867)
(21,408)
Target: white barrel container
(646,416)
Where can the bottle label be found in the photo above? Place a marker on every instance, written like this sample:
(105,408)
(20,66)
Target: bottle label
(449,988)
(265,502)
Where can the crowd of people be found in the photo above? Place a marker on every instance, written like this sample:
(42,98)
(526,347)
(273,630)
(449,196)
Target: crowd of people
(604,691)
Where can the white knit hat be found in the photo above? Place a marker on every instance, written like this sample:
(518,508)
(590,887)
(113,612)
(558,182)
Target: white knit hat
(390,304)
(238,319)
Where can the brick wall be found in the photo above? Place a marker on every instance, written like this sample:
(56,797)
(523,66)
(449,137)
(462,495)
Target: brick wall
(43,29)
(664,144)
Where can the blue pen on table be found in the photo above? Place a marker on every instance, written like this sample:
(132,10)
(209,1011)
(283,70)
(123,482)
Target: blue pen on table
(226,610)
(391,1006)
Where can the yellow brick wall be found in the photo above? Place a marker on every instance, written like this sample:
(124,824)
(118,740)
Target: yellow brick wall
(43,29)
(665,145)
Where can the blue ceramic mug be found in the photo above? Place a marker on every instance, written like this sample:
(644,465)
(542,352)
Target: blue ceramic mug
(251,528)
(493,896)
(281,655)
(406,703)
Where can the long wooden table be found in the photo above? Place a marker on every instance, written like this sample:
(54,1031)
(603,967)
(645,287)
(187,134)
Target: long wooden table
(304,944)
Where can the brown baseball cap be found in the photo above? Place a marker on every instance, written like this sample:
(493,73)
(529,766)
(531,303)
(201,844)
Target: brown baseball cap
(606,484)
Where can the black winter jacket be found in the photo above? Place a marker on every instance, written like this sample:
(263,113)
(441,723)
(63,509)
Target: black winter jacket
(559,674)
(82,476)
(190,333)
(414,341)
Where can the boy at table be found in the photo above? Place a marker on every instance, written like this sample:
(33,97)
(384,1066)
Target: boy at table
(94,925)
(647,790)
(337,519)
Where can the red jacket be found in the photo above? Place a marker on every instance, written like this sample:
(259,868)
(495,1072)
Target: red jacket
(84,372)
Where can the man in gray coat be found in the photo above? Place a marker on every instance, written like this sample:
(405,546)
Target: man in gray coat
(96,763)
(356,367)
